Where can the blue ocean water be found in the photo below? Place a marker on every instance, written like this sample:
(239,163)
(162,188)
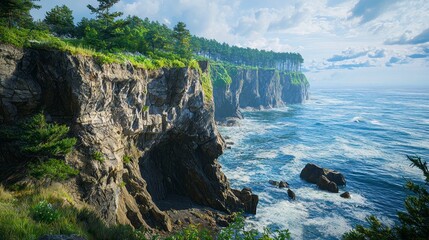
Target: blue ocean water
(365,134)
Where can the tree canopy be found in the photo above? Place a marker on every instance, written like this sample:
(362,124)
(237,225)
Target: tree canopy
(17,12)
(60,20)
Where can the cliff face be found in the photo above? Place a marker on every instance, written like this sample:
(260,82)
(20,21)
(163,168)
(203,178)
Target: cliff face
(258,88)
(157,118)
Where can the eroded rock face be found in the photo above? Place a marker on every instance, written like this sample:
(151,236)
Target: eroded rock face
(158,119)
(257,89)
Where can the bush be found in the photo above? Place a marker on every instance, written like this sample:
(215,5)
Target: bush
(235,230)
(53,169)
(126,159)
(44,212)
(44,140)
(97,156)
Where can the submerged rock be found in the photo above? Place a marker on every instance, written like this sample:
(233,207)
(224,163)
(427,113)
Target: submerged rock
(312,173)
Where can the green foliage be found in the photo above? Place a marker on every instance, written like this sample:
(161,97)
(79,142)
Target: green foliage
(297,78)
(30,216)
(413,224)
(60,20)
(183,40)
(207,87)
(192,232)
(53,169)
(126,159)
(98,156)
(235,231)
(44,212)
(42,139)
(216,51)
(16,13)
(219,75)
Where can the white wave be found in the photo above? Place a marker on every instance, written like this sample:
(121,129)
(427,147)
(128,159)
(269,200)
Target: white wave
(316,195)
(286,214)
(332,226)
(238,174)
(267,154)
(376,122)
(299,151)
(357,119)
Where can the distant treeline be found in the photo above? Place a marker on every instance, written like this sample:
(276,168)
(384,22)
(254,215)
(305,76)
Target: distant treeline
(246,56)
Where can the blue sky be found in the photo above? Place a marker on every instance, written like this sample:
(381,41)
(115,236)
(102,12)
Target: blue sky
(349,43)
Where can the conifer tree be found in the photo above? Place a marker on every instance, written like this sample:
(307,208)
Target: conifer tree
(17,12)
(60,20)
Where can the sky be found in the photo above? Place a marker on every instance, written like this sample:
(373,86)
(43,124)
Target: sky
(346,43)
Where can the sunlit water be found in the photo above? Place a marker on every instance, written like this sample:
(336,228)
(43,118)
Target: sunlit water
(365,134)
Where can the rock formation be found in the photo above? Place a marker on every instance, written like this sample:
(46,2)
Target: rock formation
(312,173)
(258,88)
(158,119)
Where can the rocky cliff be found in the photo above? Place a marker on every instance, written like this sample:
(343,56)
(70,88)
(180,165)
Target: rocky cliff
(158,119)
(258,88)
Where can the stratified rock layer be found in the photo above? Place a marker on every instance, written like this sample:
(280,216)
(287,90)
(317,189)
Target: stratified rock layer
(158,119)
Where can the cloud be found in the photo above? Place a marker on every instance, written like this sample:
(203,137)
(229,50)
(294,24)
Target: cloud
(346,55)
(423,37)
(351,66)
(367,10)
(396,60)
(422,52)
(379,53)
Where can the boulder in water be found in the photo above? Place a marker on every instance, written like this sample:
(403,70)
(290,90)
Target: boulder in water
(325,184)
(345,195)
(274,183)
(291,194)
(311,173)
(283,184)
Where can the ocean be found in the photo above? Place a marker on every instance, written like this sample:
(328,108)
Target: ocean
(365,134)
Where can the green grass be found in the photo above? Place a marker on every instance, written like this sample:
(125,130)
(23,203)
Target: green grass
(219,75)
(27,215)
(207,87)
(44,40)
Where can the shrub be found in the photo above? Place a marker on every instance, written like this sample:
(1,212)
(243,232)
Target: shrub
(44,140)
(53,169)
(126,159)
(97,156)
(44,212)
(235,230)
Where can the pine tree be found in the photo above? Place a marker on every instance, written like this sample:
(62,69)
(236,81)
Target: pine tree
(183,40)
(17,12)
(60,20)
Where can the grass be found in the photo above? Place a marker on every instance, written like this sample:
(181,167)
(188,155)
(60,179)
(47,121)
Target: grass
(44,40)
(26,215)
